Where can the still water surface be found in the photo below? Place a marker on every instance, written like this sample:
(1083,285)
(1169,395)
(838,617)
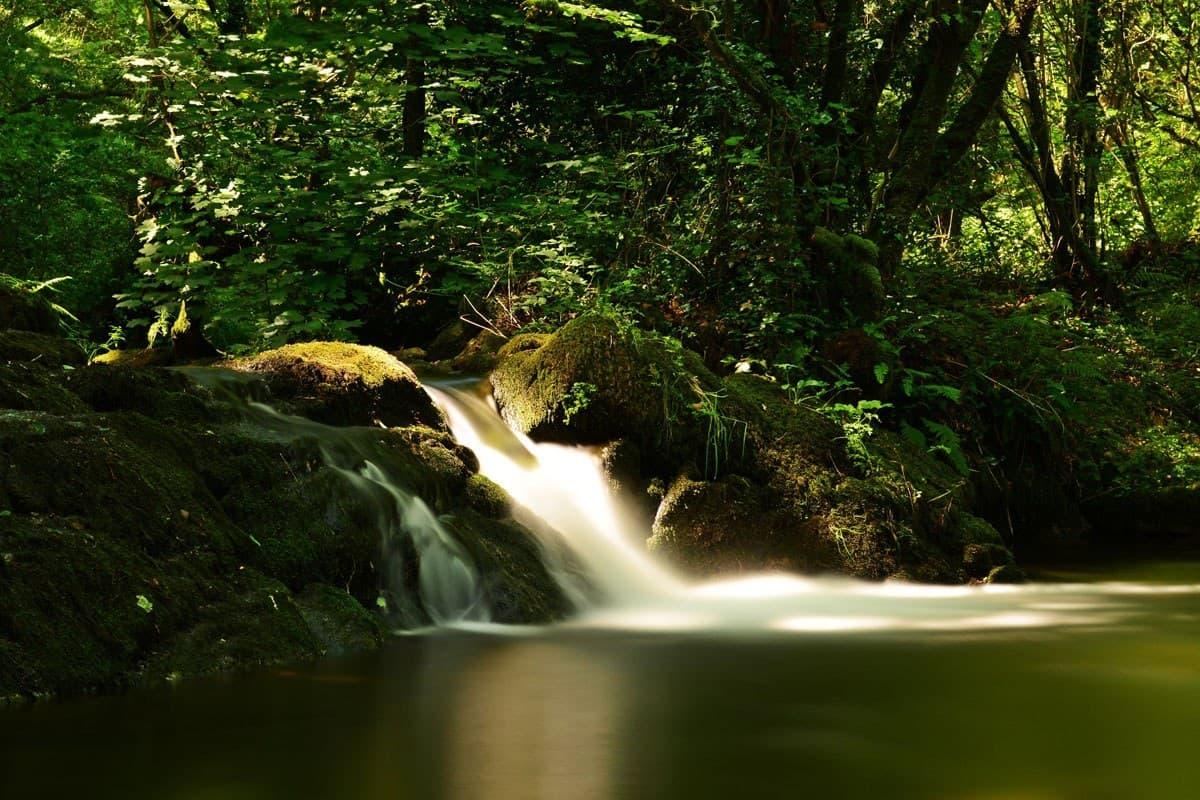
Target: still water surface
(1108,710)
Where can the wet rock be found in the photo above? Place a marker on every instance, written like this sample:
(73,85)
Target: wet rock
(51,351)
(717,527)
(517,586)
(25,310)
(480,354)
(345,384)
(338,622)
(157,393)
(487,498)
(151,531)
(35,387)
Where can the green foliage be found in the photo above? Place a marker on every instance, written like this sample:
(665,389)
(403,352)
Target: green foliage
(858,423)
(578,398)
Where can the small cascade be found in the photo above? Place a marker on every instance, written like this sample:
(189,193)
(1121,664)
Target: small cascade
(565,497)
(413,540)
(591,541)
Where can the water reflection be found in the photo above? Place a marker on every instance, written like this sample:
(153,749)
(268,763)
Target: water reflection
(1061,713)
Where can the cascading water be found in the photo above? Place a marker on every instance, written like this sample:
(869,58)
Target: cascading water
(563,494)
(447,585)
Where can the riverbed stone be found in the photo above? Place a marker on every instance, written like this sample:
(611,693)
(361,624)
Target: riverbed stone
(345,384)
(152,528)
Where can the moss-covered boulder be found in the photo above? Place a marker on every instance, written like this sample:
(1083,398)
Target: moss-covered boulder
(480,354)
(25,310)
(584,383)
(160,394)
(17,345)
(891,509)
(731,525)
(345,384)
(152,528)
(32,386)
(595,381)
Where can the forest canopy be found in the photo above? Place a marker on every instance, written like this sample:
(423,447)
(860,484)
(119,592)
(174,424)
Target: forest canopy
(968,219)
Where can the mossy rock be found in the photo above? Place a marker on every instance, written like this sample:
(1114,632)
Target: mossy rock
(517,586)
(480,354)
(594,382)
(35,387)
(486,497)
(583,384)
(54,351)
(795,500)
(252,622)
(728,526)
(137,359)
(339,623)
(150,531)
(345,384)
(25,310)
(160,394)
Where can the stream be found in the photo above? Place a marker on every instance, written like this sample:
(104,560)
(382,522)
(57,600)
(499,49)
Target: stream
(1083,685)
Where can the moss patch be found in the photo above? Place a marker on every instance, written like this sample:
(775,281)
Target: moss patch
(17,345)
(25,310)
(345,384)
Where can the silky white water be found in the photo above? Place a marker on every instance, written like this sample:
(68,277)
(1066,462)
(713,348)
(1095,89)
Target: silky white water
(596,550)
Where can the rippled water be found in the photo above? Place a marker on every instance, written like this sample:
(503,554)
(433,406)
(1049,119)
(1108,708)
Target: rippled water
(1108,709)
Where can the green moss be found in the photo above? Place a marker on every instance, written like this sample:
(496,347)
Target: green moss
(34,387)
(339,623)
(516,585)
(596,380)
(340,384)
(860,248)
(802,505)
(525,342)
(49,350)
(161,394)
(25,310)
(369,366)
(137,359)
(849,272)
(486,497)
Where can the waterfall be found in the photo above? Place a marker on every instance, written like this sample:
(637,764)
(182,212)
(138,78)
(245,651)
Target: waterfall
(561,491)
(413,541)
(563,496)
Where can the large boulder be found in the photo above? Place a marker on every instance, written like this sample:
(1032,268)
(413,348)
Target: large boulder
(751,480)
(25,310)
(150,529)
(596,381)
(54,351)
(799,502)
(345,384)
